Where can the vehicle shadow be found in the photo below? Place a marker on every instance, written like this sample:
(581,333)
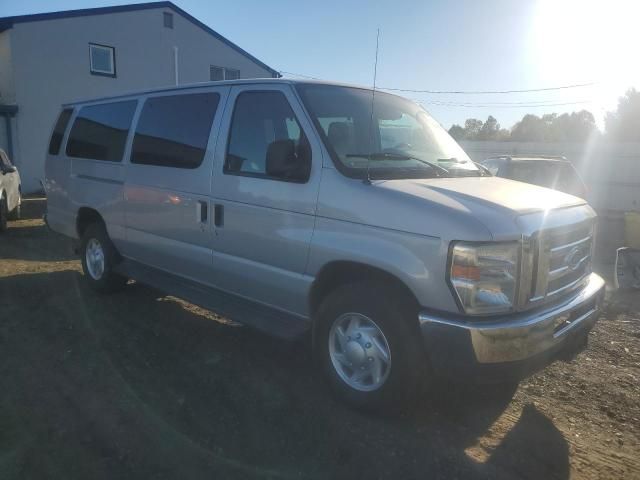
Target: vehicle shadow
(29,239)
(137,384)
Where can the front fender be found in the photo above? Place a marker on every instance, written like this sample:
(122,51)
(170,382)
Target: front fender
(418,261)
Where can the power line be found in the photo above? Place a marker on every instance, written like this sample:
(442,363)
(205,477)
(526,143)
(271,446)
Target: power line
(476,105)
(462,92)
(482,92)
(299,75)
(525,103)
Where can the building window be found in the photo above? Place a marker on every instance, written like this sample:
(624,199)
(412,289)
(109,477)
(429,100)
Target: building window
(231,74)
(216,73)
(168,19)
(220,73)
(102,59)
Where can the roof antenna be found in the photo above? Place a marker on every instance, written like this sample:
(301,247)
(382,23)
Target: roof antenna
(373,97)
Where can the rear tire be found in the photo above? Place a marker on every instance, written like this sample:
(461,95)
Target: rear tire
(15,214)
(354,326)
(4,214)
(99,256)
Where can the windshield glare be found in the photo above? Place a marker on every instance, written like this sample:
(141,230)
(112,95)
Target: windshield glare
(399,127)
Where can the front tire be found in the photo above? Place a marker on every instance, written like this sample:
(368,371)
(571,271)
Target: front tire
(99,257)
(368,347)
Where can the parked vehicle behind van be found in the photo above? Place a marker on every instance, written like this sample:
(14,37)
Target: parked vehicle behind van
(292,207)
(543,170)
(10,191)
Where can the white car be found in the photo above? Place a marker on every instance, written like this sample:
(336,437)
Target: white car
(10,198)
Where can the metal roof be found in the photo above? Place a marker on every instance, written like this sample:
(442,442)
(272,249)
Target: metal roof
(8,22)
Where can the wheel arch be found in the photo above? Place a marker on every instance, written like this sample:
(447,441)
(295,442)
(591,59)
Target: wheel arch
(85,217)
(342,272)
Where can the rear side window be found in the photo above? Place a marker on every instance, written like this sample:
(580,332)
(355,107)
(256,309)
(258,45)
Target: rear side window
(266,139)
(173,131)
(58,131)
(99,132)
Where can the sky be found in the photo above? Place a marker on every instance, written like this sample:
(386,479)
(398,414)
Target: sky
(459,45)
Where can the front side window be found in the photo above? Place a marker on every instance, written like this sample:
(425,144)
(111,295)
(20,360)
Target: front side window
(58,131)
(102,60)
(173,131)
(266,139)
(399,140)
(99,132)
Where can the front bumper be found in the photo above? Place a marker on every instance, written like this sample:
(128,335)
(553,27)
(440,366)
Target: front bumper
(515,346)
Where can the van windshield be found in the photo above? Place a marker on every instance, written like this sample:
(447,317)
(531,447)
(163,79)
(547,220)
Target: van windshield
(400,139)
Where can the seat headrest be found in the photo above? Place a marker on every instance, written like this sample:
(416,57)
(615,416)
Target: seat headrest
(338,133)
(281,156)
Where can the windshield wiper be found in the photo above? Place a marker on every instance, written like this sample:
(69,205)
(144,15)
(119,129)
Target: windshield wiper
(485,171)
(397,156)
(482,170)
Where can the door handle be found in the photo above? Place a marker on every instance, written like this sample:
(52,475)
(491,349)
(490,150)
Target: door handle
(202,211)
(218,215)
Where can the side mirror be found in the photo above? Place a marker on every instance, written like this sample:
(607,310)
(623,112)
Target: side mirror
(9,169)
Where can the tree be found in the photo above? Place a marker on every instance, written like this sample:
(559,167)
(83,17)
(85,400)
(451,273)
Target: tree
(530,129)
(472,127)
(489,130)
(623,125)
(550,127)
(457,132)
(573,127)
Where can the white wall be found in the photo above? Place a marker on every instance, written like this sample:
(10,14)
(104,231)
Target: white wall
(51,67)
(7,94)
(610,170)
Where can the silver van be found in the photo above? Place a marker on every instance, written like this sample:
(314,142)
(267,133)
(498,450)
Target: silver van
(300,207)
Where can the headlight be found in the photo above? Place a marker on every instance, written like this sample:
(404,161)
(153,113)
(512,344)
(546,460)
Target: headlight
(484,276)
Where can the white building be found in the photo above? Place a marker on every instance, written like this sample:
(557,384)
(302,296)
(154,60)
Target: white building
(53,58)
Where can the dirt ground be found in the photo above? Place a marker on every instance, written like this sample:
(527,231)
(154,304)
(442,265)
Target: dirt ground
(139,385)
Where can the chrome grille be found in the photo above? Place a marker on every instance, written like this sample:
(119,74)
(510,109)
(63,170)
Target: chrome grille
(562,260)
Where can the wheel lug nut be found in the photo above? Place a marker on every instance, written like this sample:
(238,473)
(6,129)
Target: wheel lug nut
(358,336)
(370,359)
(367,345)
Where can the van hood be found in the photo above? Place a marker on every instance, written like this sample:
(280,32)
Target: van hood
(501,206)
(509,196)
(461,208)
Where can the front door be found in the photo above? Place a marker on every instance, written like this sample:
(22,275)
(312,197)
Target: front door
(168,213)
(265,186)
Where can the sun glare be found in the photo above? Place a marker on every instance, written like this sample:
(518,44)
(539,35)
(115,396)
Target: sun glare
(576,41)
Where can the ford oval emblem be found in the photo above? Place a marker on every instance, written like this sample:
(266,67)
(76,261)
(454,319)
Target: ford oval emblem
(572,259)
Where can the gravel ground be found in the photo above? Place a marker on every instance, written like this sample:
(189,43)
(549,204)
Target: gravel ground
(139,385)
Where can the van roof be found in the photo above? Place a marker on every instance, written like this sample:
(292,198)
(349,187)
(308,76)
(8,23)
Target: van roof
(190,86)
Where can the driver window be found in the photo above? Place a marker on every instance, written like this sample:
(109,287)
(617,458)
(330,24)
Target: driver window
(266,140)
